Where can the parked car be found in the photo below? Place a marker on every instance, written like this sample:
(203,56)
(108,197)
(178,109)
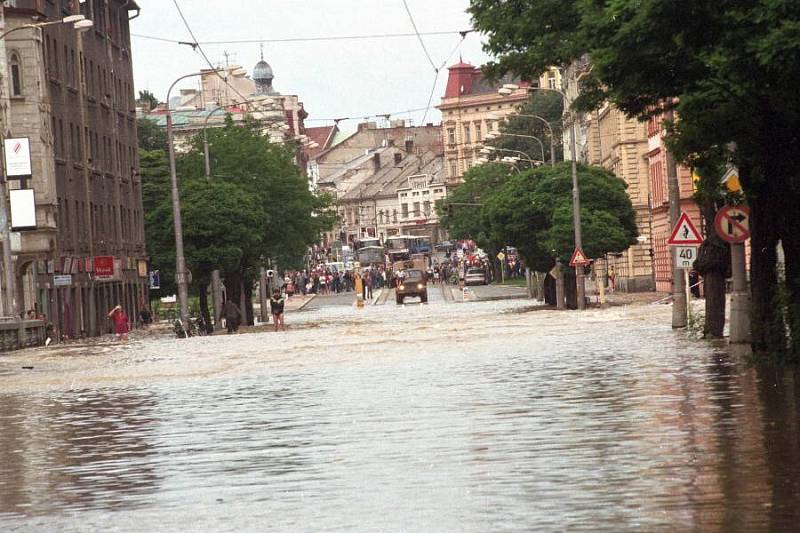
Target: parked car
(475,276)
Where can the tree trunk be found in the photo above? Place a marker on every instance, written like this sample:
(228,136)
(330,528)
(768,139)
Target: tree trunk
(233,284)
(714,285)
(765,319)
(714,264)
(791,249)
(570,288)
(203,293)
(249,315)
(549,290)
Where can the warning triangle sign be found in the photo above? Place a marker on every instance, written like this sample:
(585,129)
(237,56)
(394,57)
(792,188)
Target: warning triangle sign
(578,258)
(684,232)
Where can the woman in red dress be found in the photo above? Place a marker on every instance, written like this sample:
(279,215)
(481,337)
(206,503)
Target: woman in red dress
(121,323)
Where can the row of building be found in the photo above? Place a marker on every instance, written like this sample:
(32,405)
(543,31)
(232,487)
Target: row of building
(67,91)
(387,179)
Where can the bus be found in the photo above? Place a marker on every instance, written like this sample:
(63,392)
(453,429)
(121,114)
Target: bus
(368,241)
(400,247)
(370,255)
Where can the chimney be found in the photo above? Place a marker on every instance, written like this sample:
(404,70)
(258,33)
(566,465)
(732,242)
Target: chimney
(376,161)
(397,158)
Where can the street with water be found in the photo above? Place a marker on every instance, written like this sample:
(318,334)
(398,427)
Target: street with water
(474,416)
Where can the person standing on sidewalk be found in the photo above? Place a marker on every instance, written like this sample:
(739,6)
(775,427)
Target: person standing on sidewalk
(276,304)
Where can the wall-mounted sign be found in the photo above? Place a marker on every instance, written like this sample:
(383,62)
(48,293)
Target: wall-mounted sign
(142,268)
(104,267)
(18,157)
(62,280)
(23,209)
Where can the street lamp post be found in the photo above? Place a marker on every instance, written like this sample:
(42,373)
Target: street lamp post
(80,23)
(496,134)
(576,199)
(549,128)
(180,260)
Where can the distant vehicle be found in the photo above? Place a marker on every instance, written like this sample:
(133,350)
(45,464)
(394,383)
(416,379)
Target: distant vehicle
(337,266)
(421,245)
(412,283)
(368,241)
(475,276)
(399,247)
(370,255)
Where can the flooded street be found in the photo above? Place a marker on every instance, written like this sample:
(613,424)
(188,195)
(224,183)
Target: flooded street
(443,417)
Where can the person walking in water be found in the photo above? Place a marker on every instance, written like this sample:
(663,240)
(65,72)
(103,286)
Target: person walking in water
(121,323)
(276,306)
(232,316)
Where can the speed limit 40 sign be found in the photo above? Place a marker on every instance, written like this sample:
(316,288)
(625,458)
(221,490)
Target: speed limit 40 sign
(685,256)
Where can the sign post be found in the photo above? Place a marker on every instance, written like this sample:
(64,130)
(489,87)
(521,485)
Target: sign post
(684,240)
(732,224)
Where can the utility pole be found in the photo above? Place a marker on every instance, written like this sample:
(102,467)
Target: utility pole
(576,215)
(679,303)
(181,275)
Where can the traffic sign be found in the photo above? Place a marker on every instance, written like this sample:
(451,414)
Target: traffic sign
(501,256)
(578,258)
(684,233)
(685,256)
(733,223)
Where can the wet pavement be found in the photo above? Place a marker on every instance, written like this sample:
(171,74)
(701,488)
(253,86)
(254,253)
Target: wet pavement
(471,417)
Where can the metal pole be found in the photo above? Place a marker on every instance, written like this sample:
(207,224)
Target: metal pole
(180,260)
(576,214)
(205,153)
(740,297)
(678,289)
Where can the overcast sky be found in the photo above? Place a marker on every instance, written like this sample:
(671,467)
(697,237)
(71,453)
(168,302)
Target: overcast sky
(333,78)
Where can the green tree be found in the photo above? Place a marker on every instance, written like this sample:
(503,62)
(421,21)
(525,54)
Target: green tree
(150,98)
(729,70)
(533,212)
(289,218)
(549,106)
(466,221)
(156,193)
(151,135)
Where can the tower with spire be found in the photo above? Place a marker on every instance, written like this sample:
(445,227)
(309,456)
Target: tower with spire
(263,76)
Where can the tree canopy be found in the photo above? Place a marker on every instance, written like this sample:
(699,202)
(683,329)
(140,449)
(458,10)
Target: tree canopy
(532,211)
(257,205)
(729,70)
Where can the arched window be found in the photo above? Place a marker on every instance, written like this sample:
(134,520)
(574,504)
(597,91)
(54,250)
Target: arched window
(16,75)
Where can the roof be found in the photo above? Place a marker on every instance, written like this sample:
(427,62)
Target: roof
(323,136)
(392,177)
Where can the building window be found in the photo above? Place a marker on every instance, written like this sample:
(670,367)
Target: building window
(405,210)
(478,131)
(451,136)
(16,75)
(453,169)
(551,80)
(467,134)
(426,208)
(416,209)
(394,215)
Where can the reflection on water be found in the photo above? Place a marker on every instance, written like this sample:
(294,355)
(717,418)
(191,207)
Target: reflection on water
(534,432)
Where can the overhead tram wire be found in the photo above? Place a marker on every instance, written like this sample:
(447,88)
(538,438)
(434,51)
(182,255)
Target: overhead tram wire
(196,46)
(428,55)
(305,39)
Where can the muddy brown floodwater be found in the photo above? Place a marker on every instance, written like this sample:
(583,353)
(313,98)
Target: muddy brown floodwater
(444,417)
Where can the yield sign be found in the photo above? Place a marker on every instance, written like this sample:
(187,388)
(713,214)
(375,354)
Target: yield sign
(578,258)
(684,232)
